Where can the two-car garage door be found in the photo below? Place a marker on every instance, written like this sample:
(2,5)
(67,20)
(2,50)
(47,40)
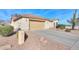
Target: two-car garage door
(36,25)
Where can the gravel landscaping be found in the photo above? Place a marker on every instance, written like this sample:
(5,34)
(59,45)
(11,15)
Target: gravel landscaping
(33,42)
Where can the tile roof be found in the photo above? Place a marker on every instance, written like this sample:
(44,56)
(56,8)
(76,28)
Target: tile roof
(17,17)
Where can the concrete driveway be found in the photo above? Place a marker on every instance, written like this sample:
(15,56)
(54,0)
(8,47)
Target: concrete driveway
(67,38)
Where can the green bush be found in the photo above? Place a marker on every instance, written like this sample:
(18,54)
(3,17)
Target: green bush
(6,30)
(67,30)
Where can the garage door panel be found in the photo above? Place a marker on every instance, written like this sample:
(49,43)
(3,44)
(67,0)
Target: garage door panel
(34,25)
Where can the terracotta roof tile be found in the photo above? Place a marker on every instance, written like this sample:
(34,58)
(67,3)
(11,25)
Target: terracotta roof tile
(17,17)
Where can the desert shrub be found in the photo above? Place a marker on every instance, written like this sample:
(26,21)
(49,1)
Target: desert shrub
(67,30)
(6,30)
(60,26)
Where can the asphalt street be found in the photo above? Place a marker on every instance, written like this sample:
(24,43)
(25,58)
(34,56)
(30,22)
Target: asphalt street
(66,38)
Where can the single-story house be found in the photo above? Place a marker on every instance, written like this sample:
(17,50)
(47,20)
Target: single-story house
(32,22)
(68,26)
(76,25)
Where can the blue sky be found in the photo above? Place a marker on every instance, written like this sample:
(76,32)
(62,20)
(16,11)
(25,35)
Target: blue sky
(62,14)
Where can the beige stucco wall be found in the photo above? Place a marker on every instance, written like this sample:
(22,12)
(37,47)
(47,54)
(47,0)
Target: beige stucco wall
(49,24)
(22,23)
(55,23)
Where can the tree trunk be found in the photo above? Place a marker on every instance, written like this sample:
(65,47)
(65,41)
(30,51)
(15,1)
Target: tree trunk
(73,25)
(73,20)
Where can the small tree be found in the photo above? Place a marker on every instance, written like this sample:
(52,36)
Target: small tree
(73,20)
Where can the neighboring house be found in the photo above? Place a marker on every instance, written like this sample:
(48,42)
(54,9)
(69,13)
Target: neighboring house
(68,27)
(4,22)
(32,22)
(76,25)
